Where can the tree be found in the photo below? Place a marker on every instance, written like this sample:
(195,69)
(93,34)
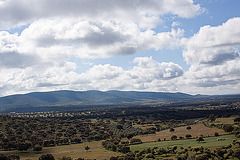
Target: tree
(135,141)
(237,119)
(47,157)
(172,129)
(119,126)
(228,128)
(129,136)
(37,148)
(212,117)
(200,139)
(188,135)
(189,127)
(87,148)
(237,154)
(174,137)
(216,134)
(23,147)
(65,158)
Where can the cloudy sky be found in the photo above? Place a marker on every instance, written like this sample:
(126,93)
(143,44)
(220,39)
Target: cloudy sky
(143,45)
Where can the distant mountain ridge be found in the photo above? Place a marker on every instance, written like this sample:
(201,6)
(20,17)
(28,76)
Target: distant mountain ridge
(91,97)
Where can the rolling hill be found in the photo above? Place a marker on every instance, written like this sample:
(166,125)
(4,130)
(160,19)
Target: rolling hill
(65,98)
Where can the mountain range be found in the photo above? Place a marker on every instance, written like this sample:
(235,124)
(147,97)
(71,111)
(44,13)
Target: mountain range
(66,98)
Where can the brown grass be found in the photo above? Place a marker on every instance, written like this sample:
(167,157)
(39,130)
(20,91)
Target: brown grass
(74,151)
(196,130)
(229,120)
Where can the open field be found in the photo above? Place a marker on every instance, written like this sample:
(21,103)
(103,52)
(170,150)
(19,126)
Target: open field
(74,151)
(196,130)
(208,142)
(229,120)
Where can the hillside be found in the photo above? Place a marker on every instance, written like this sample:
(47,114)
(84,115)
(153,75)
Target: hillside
(66,98)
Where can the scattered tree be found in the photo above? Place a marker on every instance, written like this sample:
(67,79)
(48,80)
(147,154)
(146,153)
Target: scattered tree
(37,148)
(228,128)
(174,137)
(189,127)
(200,139)
(87,148)
(172,129)
(47,157)
(188,136)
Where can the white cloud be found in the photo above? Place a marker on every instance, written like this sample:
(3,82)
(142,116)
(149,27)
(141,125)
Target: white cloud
(212,42)
(214,58)
(58,30)
(141,12)
(147,74)
(58,39)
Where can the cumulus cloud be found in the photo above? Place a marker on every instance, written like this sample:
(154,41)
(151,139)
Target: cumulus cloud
(60,39)
(145,75)
(38,58)
(214,44)
(142,12)
(214,57)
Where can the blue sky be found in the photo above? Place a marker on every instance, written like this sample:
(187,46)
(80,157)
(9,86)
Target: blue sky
(156,45)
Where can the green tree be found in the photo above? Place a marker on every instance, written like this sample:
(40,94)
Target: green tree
(87,148)
(200,139)
(37,148)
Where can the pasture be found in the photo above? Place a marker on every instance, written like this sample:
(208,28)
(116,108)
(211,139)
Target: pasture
(209,142)
(195,131)
(74,151)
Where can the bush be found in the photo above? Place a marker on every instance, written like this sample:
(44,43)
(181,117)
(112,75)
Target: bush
(135,141)
(172,130)
(47,157)
(189,127)
(37,148)
(65,158)
(237,119)
(150,155)
(228,128)
(188,136)
(174,137)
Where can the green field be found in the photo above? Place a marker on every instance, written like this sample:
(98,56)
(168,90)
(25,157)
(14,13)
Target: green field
(209,142)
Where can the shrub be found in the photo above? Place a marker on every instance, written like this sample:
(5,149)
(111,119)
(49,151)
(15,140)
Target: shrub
(189,127)
(150,155)
(65,158)
(135,141)
(37,148)
(188,136)
(174,137)
(228,128)
(47,157)
(172,130)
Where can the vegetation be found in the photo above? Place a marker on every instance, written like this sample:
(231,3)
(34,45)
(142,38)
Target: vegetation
(135,132)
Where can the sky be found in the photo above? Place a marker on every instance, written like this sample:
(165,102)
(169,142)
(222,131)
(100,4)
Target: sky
(130,45)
